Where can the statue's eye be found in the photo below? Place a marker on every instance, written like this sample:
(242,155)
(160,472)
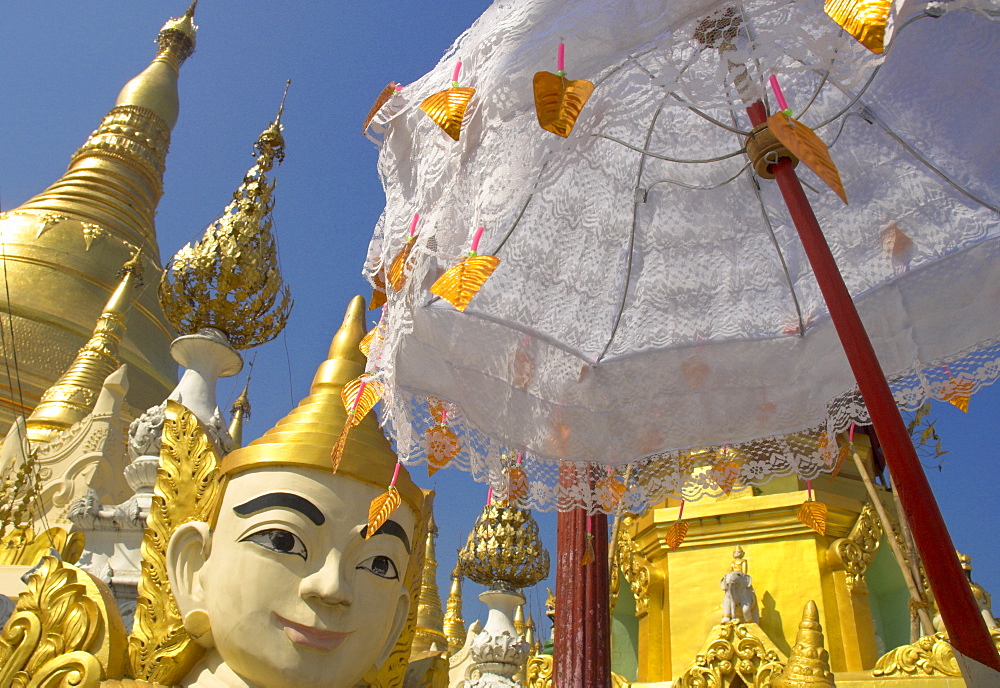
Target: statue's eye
(278,540)
(381,565)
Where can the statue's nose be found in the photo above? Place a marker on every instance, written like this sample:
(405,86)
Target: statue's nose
(330,584)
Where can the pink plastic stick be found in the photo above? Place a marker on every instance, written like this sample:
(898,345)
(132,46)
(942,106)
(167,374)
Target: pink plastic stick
(413,225)
(520,457)
(475,239)
(777,93)
(680,513)
(395,474)
(850,434)
(444,416)
(489,497)
(398,87)
(357,397)
(561,57)
(809,487)
(458,68)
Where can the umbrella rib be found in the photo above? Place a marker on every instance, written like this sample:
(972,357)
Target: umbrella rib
(660,156)
(631,237)
(698,188)
(777,249)
(869,115)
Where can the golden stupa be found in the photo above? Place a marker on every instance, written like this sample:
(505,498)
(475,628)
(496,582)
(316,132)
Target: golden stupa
(64,247)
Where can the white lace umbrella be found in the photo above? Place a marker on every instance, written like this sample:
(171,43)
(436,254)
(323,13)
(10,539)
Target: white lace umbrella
(653,311)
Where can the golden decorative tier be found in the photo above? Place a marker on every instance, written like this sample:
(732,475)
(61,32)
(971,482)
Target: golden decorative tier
(504,549)
(63,247)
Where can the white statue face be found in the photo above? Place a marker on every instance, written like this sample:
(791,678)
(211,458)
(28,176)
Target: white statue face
(295,594)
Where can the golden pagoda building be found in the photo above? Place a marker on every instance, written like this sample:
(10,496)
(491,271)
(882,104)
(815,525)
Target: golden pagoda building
(64,246)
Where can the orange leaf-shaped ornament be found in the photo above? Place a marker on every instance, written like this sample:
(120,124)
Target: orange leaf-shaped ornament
(676,533)
(359,396)
(378,291)
(807,147)
(381,509)
(725,474)
(517,484)
(382,99)
(957,391)
(609,490)
(589,555)
(864,19)
(365,345)
(558,101)
(813,514)
(842,455)
(397,269)
(461,282)
(447,108)
(441,445)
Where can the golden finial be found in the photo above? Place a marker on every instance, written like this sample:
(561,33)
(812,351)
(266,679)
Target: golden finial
(430,617)
(176,40)
(307,434)
(504,551)
(240,412)
(230,279)
(519,623)
(74,394)
(454,624)
(529,635)
(808,663)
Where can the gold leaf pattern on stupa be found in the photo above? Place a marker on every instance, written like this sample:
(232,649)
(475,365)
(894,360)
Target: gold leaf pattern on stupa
(558,101)
(447,108)
(229,279)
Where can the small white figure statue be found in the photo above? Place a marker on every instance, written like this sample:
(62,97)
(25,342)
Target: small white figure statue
(740,600)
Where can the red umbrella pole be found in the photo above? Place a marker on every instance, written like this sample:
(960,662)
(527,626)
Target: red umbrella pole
(967,629)
(582,652)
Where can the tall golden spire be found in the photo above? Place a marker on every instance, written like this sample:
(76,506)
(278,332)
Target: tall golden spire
(72,397)
(61,245)
(808,663)
(454,624)
(520,625)
(229,279)
(240,412)
(430,617)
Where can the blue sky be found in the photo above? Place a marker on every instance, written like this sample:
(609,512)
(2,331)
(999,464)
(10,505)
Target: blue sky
(64,63)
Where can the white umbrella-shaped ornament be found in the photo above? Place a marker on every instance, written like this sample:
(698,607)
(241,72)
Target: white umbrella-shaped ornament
(654,312)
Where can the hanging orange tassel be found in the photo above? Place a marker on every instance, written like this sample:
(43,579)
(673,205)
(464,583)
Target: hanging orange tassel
(359,396)
(447,107)
(813,513)
(461,282)
(678,530)
(440,443)
(558,101)
(397,269)
(382,507)
(589,555)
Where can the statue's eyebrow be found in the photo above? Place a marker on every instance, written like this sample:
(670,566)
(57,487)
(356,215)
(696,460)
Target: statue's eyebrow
(281,499)
(390,527)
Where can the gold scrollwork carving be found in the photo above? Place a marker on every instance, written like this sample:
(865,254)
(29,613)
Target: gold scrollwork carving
(539,674)
(160,650)
(65,631)
(854,553)
(931,655)
(633,565)
(734,649)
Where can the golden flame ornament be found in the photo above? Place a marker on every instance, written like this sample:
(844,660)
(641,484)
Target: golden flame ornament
(461,282)
(807,147)
(866,20)
(447,107)
(382,507)
(359,395)
(558,101)
(378,290)
(397,268)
